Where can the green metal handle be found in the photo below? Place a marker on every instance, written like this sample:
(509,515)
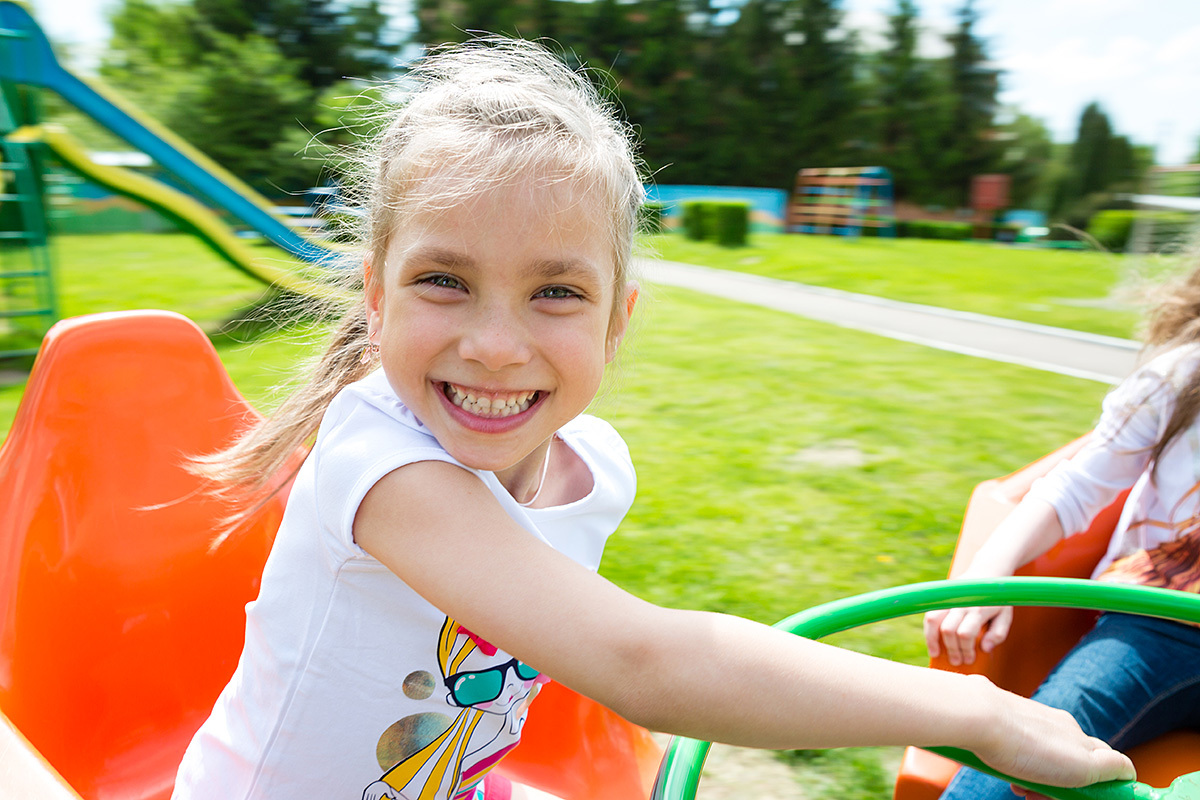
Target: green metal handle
(679,772)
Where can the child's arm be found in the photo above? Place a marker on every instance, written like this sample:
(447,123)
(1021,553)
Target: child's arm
(704,675)
(1029,531)
(1062,503)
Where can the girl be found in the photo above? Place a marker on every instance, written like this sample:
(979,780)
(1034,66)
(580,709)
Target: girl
(1131,678)
(438,556)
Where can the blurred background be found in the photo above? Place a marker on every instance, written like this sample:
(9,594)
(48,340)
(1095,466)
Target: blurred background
(1074,100)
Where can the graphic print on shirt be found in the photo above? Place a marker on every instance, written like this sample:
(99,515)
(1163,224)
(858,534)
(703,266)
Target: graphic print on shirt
(1171,565)
(434,756)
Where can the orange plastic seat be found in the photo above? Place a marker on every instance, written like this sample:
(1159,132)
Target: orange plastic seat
(120,623)
(1039,637)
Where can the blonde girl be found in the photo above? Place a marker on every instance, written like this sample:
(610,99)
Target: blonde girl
(456,493)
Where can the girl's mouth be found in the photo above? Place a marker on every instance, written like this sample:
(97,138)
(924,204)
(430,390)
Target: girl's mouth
(492,406)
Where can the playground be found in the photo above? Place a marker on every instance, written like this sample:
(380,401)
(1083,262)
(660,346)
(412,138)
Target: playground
(793,464)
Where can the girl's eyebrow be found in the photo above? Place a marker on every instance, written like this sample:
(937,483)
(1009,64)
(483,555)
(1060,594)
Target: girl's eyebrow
(441,257)
(547,269)
(557,268)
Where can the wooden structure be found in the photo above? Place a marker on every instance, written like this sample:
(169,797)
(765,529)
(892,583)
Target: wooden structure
(843,201)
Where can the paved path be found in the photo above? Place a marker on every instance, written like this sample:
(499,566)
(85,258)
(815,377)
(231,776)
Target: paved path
(1081,355)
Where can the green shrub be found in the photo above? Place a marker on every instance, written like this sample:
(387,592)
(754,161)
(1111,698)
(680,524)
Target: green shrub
(726,222)
(650,217)
(934,229)
(732,223)
(1112,228)
(695,220)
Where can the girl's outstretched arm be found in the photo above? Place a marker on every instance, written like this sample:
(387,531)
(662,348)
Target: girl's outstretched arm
(704,675)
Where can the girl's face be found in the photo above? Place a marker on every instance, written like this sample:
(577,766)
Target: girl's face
(495,321)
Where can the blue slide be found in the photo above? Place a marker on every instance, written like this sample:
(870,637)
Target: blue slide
(27,58)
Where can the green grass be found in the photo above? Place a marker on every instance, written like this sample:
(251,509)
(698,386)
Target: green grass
(781,462)
(1084,291)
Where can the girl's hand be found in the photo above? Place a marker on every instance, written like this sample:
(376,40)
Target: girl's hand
(1045,745)
(959,628)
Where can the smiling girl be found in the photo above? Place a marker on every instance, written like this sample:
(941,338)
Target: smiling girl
(437,560)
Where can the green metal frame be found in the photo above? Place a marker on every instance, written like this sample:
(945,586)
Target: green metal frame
(679,773)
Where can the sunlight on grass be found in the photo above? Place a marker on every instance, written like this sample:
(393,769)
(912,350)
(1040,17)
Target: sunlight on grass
(1084,291)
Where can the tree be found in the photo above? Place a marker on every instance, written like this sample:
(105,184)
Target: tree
(1027,158)
(1099,163)
(910,113)
(329,40)
(239,100)
(970,146)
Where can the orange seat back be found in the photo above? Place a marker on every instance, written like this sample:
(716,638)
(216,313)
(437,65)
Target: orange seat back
(1039,637)
(119,624)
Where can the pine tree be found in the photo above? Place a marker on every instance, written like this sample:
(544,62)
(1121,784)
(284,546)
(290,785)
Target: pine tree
(970,149)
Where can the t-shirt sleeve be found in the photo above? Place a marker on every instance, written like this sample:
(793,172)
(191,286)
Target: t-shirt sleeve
(1115,456)
(358,445)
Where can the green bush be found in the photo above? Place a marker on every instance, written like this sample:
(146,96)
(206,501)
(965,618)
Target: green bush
(933,229)
(732,223)
(695,220)
(1112,228)
(726,222)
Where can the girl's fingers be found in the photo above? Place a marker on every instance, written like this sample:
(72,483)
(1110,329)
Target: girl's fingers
(933,631)
(998,629)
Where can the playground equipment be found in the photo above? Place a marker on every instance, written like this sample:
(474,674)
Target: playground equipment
(843,201)
(121,623)
(27,66)
(1051,616)
(27,298)
(679,775)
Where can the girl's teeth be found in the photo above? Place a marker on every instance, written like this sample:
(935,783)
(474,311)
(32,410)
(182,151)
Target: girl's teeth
(490,407)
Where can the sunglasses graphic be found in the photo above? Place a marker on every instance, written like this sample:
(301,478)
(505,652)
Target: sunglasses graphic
(485,685)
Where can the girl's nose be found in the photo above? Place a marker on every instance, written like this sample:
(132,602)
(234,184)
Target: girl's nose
(496,340)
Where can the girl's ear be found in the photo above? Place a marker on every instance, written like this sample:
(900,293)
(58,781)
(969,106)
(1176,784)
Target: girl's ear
(373,298)
(620,324)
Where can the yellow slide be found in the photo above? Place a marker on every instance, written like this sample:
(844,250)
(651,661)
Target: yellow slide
(274,268)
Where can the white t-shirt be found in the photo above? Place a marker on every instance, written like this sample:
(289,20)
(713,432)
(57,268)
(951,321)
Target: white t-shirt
(343,690)
(1157,528)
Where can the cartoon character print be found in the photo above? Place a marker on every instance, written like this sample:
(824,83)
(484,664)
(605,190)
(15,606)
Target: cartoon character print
(434,756)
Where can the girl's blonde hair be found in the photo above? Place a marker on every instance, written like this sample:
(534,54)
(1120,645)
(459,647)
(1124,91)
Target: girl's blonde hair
(468,117)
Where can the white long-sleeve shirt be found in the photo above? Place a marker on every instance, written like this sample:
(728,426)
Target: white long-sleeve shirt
(1156,540)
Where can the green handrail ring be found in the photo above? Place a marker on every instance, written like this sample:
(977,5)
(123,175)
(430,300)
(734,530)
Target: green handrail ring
(679,773)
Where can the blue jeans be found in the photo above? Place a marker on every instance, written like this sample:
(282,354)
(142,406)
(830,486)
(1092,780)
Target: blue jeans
(1130,679)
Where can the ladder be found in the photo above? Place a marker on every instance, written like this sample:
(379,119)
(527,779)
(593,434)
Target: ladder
(28,302)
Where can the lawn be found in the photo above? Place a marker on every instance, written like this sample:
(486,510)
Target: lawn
(781,462)
(1086,291)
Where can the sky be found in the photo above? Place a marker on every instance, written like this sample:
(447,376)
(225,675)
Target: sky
(1140,59)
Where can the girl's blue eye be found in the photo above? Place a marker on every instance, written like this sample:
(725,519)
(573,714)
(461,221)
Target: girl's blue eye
(443,281)
(556,293)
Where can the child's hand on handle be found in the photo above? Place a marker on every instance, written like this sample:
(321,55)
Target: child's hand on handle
(958,629)
(1040,744)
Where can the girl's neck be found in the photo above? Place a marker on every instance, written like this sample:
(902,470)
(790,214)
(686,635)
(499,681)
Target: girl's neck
(526,481)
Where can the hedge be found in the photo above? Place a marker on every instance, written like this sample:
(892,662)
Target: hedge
(726,222)
(934,229)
